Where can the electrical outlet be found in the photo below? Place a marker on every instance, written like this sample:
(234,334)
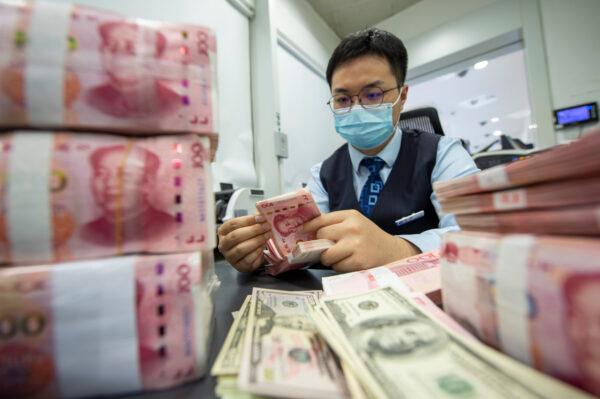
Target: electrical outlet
(281,145)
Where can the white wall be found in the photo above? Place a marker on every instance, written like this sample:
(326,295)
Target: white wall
(301,24)
(305,118)
(572,37)
(412,21)
(562,62)
(234,160)
(432,29)
(296,90)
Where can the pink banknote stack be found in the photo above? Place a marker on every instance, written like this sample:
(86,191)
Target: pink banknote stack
(555,192)
(291,248)
(524,276)
(107,130)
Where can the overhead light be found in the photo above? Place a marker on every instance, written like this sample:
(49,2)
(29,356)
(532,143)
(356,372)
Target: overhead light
(533,126)
(497,133)
(494,119)
(480,65)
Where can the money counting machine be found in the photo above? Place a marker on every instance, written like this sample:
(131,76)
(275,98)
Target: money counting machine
(235,202)
(512,150)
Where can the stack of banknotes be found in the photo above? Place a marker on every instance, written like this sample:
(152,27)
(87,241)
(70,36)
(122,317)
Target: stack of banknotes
(107,126)
(524,274)
(73,67)
(291,248)
(105,326)
(379,343)
(555,192)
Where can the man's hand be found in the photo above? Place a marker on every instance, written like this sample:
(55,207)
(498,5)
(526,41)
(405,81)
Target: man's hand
(242,240)
(359,243)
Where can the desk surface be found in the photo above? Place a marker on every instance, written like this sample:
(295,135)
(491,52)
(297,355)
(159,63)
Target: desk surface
(228,298)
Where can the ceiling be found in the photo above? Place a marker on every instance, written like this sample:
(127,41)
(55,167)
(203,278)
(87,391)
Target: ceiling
(347,16)
(473,104)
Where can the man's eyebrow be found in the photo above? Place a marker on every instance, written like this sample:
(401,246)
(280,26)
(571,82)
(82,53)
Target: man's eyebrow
(376,83)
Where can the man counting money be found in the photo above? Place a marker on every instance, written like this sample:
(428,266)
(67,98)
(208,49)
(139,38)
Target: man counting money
(375,192)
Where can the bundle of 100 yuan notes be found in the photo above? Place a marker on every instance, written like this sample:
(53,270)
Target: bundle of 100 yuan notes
(105,327)
(108,126)
(74,67)
(92,195)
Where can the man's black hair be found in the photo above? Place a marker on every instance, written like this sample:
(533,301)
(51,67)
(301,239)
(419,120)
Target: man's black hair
(371,42)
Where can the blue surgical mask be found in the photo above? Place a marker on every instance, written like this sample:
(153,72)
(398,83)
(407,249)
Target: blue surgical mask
(366,128)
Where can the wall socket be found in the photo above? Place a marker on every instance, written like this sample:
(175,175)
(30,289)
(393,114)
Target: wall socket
(281,145)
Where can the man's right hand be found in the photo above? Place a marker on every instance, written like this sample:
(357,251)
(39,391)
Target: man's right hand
(242,240)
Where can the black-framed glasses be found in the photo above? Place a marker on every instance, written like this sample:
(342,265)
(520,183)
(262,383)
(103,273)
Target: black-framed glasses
(369,97)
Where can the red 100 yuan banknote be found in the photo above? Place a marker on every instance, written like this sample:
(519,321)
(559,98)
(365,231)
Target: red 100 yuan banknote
(536,298)
(69,66)
(285,214)
(70,196)
(102,327)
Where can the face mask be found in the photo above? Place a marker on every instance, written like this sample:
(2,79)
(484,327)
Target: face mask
(366,128)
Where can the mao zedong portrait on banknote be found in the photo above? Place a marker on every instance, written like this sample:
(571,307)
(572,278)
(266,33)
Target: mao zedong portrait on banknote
(124,194)
(583,326)
(65,66)
(130,90)
(287,223)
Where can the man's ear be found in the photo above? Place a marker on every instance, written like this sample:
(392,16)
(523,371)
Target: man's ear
(401,102)
(404,95)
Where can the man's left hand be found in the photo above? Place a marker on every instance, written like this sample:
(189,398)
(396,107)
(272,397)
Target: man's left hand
(359,243)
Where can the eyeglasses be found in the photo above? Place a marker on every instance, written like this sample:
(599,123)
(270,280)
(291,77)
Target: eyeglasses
(369,97)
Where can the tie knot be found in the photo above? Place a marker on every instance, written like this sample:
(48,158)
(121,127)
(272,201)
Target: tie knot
(373,164)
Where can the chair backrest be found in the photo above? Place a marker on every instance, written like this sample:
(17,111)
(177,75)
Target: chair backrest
(425,119)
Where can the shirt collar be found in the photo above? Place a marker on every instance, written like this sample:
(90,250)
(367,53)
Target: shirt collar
(388,154)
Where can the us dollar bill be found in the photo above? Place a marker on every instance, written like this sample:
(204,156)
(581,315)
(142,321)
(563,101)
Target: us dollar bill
(284,355)
(396,350)
(230,356)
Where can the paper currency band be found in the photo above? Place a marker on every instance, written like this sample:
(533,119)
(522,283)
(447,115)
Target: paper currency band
(512,302)
(493,178)
(512,199)
(28,197)
(45,68)
(95,327)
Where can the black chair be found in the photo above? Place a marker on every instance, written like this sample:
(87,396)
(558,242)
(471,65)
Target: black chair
(425,119)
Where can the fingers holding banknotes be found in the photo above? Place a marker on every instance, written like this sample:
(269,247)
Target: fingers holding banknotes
(359,243)
(242,240)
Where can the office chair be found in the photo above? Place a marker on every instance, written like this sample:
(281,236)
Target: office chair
(425,119)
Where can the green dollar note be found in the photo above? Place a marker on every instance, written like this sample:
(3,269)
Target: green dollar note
(283,354)
(397,351)
(228,361)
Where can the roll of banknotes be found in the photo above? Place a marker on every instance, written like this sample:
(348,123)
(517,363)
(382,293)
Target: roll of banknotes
(73,67)
(102,327)
(535,298)
(68,196)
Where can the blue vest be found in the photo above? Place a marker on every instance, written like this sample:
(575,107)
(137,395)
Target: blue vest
(407,189)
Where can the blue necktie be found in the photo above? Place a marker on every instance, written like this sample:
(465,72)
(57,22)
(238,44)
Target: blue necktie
(372,188)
